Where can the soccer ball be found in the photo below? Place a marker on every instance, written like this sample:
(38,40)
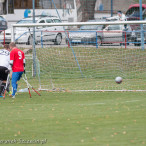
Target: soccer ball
(118,80)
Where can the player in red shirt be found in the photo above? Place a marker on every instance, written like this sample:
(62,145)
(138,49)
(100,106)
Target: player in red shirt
(17,61)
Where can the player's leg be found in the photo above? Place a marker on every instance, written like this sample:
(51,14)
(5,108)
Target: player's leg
(3,87)
(0,88)
(15,77)
(19,77)
(3,78)
(14,81)
(8,88)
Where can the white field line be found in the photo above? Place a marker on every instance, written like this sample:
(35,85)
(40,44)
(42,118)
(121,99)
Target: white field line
(132,101)
(106,103)
(93,104)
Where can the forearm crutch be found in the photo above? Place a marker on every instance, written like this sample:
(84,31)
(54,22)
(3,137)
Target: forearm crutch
(6,86)
(29,85)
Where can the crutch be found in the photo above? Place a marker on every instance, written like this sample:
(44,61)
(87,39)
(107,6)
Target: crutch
(6,86)
(28,85)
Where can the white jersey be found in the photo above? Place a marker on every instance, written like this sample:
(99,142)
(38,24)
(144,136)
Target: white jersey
(5,58)
(122,18)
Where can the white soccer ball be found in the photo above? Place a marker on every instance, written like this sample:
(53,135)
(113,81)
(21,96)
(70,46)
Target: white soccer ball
(118,80)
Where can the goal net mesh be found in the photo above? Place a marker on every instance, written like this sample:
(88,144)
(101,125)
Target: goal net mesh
(88,66)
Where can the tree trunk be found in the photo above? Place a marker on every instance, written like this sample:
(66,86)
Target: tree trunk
(88,9)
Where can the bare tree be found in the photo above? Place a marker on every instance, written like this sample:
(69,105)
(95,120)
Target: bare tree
(88,9)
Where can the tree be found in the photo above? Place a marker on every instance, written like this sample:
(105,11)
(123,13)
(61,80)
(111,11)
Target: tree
(88,9)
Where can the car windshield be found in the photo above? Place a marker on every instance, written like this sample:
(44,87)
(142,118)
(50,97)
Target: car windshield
(114,27)
(48,20)
(57,21)
(91,27)
(1,18)
(24,21)
(139,28)
(135,14)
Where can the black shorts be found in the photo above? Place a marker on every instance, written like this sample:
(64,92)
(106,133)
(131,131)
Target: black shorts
(3,75)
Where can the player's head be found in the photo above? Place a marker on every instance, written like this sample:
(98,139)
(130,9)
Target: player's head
(119,13)
(12,45)
(6,46)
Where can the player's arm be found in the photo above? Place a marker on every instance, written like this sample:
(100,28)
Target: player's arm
(112,18)
(24,64)
(9,68)
(11,59)
(11,64)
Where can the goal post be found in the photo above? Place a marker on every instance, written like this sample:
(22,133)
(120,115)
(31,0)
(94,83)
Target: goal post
(89,66)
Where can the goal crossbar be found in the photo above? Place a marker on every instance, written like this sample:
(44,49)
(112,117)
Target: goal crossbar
(78,23)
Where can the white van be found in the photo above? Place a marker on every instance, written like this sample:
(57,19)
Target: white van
(25,34)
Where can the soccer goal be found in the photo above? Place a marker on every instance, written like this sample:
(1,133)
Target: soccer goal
(90,56)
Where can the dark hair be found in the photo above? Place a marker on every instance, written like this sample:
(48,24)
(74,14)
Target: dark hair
(119,12)
(6,46)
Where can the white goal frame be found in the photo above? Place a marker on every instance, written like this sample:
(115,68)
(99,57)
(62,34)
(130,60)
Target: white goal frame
(78,24)
(72,24)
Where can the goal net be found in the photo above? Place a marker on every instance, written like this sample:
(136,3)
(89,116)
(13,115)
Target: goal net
(88,57)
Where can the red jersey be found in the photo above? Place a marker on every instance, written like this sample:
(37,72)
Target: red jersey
(18,58)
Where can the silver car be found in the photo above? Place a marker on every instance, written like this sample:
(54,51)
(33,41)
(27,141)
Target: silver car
(137,38)
(117,34)
(86,34)
(42,34)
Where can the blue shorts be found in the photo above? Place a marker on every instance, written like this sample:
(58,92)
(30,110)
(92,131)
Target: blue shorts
(16,77)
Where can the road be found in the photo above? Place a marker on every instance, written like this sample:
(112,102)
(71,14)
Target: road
(63,44)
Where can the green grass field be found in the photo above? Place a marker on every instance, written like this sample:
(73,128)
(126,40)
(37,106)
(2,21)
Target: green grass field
(74,119)
(70,118)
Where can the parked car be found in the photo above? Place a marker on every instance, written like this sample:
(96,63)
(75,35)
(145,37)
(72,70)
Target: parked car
(133,12)
(3,23)
(137,35)
(116,34)
(86,34)
(44,33)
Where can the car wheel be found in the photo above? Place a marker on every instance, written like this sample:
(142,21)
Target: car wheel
(58,39)
(137,44)
(67,41)
(30,40)
(99,41)
(122,44)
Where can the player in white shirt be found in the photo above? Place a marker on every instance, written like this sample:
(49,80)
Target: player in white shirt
(120,17)
(4,67)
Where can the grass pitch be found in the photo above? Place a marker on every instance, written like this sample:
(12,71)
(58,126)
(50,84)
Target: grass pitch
(74,119)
